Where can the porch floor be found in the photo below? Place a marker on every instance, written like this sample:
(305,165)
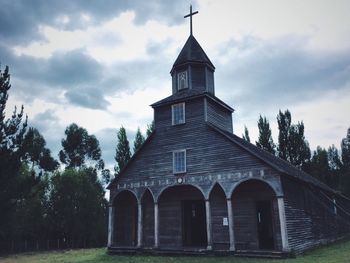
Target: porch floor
(195,251)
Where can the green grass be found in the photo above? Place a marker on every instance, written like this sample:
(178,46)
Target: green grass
(339,252)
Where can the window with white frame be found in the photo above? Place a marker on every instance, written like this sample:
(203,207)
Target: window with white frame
(179,161)
(182,81)
(178,113)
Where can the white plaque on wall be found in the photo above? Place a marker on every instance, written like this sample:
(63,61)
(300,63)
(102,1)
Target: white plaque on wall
(224,221)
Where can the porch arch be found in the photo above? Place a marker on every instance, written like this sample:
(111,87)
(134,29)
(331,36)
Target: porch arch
(255,213)
(219,217)
(182,217)
(125,219)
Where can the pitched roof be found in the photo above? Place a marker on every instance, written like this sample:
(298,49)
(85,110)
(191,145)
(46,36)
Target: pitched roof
(192,52)
(187,95)
(274,161)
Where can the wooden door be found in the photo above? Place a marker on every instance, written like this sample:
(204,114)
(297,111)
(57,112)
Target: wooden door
(194,223)
(264,221)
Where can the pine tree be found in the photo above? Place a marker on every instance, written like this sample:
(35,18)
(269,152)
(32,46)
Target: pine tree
(265,140)
(245,136)
(123,153)
(320,165)
(344,179)
(345,150)
(139,140)
(150,129)
(335,166)
(299,153)
(292,145)
(13,186)
(284,122)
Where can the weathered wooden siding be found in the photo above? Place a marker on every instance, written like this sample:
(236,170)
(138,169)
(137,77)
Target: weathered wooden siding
(210,82)
(218,205)
(198,78)
(170,214)
(310,217)
(219,116)
(208,152)
(148,220)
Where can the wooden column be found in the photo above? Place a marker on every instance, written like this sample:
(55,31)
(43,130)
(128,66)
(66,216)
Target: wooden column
(139,224)
(208,219)
(156,226)
(110,225)
(282,217)
(231,225)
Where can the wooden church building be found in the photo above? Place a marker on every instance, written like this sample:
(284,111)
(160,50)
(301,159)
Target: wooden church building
(194,186)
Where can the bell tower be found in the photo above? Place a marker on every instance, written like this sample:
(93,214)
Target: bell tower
(192,71)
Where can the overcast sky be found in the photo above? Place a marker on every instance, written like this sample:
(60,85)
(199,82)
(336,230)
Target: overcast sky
(101,64)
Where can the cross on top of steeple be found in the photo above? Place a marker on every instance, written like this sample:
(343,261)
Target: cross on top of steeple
(190,15)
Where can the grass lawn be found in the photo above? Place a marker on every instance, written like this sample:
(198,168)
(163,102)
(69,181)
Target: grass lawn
(339,252)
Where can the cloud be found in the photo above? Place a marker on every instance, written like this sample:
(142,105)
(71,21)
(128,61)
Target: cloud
(49,126)
(88,97)
(20,21)
(259,75)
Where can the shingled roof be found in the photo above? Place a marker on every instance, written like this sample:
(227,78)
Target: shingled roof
(192,52)
(272,160)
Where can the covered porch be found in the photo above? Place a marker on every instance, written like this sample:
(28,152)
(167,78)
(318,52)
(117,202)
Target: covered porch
(184,219)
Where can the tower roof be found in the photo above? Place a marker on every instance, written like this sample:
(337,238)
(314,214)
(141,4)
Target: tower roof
(192,52)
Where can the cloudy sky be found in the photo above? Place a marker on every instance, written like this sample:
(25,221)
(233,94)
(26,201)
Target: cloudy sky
(101,64)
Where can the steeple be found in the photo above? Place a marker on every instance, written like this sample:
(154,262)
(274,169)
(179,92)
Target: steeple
(192,70)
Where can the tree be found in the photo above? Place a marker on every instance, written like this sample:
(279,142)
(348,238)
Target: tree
(345,150)
(245,136)
(345,170)
(77,207)
(292,145)
(139,140)
(265,140)
(334,165)
(123,154)
(36,153)
(284,122)
(150,129)
(319,165)
(29,219)
(13,185)
(79,147)
(299,152)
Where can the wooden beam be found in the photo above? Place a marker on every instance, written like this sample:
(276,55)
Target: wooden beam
(110,225)
(282,217)
(139,224)
(231,225)
(156,225)
(208,219)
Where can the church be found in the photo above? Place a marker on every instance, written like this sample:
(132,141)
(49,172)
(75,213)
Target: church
(194,187)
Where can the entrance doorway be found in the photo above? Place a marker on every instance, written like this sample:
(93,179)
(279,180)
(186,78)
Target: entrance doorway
(194,223)
(264,221)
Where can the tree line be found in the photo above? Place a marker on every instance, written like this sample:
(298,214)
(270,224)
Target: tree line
(47,203)
(330,166)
